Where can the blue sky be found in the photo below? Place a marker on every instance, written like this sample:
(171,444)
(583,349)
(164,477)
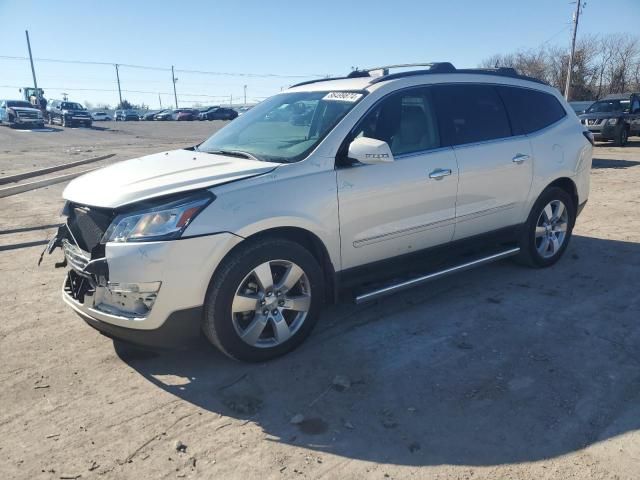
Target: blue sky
(274,37)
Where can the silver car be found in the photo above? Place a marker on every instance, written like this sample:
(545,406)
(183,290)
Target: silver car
(393,180)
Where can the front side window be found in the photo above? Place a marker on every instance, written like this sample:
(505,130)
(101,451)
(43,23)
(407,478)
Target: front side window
(284,128)
(471,113)
(405,120)
(531,110)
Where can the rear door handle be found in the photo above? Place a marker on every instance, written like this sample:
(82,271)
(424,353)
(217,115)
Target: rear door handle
(440,173)
(520,157)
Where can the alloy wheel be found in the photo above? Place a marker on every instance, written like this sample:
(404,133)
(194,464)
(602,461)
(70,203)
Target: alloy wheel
(271,303)
(551,229)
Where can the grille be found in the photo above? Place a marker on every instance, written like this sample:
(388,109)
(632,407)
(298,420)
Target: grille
(30,115)
(88,225)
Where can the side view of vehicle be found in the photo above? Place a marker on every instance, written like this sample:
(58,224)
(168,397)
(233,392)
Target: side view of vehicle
(219,113)
(126,116)
(390,181)
(100,117)
(68,114)
(616,117)
(19,113)
(185,114)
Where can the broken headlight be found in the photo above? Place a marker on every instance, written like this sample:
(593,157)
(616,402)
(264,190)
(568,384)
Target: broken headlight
(164,221)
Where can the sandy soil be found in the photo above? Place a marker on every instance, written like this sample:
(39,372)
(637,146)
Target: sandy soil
(502,372)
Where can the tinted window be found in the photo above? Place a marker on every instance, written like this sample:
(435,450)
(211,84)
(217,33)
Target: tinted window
(405,120)
(531,110)
(471,113)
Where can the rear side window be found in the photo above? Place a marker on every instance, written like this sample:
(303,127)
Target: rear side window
(531,110)
(471,113)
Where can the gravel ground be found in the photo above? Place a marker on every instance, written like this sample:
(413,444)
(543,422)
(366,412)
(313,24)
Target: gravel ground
(502,372)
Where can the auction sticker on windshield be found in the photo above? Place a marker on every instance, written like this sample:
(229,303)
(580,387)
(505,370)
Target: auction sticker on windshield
(342,96)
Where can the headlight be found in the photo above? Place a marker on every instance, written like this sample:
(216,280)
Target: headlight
(166,221)
(11,111)
(612,121)
(65,112)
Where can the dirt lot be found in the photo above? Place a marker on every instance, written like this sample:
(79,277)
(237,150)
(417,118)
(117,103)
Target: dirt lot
(502,372)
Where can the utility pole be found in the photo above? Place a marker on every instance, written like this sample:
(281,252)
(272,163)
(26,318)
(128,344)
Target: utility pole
(33,70)
(245,95)
(118,78)
(576,17)
(173,77)
(230,100)
(160,100)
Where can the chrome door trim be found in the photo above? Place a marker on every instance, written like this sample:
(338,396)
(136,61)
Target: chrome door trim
(487,211)
(403,232)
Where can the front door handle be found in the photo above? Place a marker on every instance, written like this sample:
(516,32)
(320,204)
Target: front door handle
(440,173)
(520,157)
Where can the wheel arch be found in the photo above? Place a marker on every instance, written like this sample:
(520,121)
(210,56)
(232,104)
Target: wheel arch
(309,241)
(569,186)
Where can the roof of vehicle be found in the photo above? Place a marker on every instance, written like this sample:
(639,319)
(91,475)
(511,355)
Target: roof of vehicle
(363,79)
(620,96)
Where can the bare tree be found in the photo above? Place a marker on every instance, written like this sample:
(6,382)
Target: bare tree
(602,65)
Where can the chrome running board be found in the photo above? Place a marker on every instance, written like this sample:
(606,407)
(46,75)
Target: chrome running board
(389,289)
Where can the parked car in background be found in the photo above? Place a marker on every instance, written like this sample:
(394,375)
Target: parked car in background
(100,116)
(126,116)
(150,115)
(68,114)
(185,114)
(164,115)
(20,113)
(580,106)
(204,110)
(615,117)
(435,170)
(220,113)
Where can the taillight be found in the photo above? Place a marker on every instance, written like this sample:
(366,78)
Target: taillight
(588,135)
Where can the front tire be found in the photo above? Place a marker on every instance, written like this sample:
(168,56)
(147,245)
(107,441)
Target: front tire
(548,229)
(264,300)
(622,137)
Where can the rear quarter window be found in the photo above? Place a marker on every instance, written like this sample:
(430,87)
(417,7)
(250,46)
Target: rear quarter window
(531,110)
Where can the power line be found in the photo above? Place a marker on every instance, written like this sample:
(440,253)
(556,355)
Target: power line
(126,91)
(166,69)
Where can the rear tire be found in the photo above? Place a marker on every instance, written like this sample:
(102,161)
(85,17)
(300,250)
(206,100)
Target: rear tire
(548,229)
(254,311)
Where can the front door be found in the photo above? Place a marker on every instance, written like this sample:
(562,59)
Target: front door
(405,205)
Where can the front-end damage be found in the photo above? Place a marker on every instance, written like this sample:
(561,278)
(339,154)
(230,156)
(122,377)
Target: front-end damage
(87,283)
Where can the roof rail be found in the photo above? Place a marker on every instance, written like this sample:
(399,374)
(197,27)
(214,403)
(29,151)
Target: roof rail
(433,67)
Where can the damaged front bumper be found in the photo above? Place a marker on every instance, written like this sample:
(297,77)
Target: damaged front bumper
(146,292)
(87,285)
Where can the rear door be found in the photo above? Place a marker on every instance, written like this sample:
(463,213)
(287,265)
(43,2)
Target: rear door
(495,167)
(405,205)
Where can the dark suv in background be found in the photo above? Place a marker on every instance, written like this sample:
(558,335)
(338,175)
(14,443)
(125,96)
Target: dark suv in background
(68,114)
(615,117)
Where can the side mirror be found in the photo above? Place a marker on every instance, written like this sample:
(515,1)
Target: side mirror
(370,151)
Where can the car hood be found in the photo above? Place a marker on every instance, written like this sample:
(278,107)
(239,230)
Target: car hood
(24,109)
(158,175)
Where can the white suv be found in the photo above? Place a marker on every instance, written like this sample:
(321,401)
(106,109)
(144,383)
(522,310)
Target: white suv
(331,185)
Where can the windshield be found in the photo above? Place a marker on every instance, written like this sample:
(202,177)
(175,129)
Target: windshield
(19,104)
(608,106)
(71,106)
(285,127)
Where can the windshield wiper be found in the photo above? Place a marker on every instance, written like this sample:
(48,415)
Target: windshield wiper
(232,153)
